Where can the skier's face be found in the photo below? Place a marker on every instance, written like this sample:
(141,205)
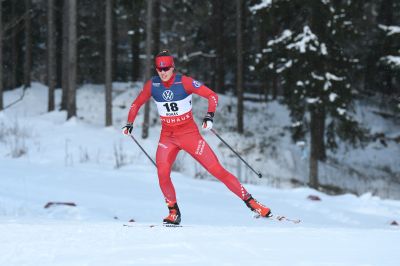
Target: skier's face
(165,73)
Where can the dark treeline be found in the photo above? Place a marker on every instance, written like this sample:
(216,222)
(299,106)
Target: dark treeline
(316,56)
(202,36)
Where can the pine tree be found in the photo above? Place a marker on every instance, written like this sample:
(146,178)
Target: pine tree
(72,58)
(108,62)
(239,64)
(15,51)
(389,62)
(65,51)
(51,54)
(91,67)
(311,57)
(156,26)
(135,9)
(28,44)
(217,30)
(149,62)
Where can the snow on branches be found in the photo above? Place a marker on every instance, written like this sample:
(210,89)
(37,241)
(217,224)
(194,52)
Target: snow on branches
(303,42)
(390,30)
(392,61)
(286,35)
(307,40)
(262,5)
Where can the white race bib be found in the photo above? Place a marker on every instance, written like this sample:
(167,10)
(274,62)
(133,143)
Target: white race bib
(175,108)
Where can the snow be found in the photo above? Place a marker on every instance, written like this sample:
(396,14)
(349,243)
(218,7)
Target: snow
(330,76)
(287,65)
(297,124)
(317,77)
(324,50)
(392,60)
(305,40)
(390,29)
(339,230)
(75,161)
(332,96)
(262,5)
(312,100)
(286,34)
(341,111)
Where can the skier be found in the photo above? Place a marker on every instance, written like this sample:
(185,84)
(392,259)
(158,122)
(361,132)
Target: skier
(172,94)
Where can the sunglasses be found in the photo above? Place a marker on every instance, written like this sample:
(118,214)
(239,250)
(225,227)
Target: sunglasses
(165,69)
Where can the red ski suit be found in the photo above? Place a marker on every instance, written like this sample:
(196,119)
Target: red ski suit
(179,131)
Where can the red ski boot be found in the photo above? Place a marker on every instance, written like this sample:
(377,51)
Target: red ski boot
(174,216)
(257,207)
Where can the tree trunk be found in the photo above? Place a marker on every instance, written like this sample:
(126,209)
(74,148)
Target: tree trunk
(239,66)
(369,70)
(51,54)
(14,48)
(262,43)
(318,23)
(265,88)
(114,32)
(157,26)
(58,11)
(321,116)
(149,20)
(65,50)
(313,175)
(108,62)
(136,36)
(218,30)
(28,44)
(274,86)
(317,149)
(72,59)
(1,56)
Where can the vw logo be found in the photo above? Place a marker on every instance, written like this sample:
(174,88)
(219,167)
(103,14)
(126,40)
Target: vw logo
(168,95)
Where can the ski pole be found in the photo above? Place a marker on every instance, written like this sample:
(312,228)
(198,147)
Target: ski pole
(140,146)
(216,134)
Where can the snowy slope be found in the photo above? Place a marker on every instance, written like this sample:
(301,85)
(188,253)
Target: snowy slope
(75,161)
(343,230)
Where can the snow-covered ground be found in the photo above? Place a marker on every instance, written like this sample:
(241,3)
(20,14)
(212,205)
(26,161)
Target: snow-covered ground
(44,158)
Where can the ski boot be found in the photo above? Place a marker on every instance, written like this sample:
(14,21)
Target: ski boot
(174,216)
(257,207)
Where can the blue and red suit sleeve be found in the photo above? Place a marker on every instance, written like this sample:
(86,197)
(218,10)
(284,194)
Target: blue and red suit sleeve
(142,98)
(193,86)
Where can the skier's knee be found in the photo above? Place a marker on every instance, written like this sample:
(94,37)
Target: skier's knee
(217,170)
(164,171)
